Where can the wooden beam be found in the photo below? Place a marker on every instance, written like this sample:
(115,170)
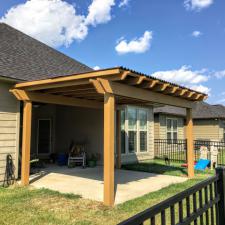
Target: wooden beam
(161,87)
(57,82)
(69,89)
(150,84)
(146,95)
(54,99)
(25,167)
(171,90)
(98,86)
(190,143)
(136,80)
(109,145)
(118,139)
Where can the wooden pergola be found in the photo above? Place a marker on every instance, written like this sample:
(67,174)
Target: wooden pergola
(106,89)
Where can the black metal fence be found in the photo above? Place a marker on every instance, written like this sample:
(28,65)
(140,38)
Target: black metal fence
(201,204)
(176,150)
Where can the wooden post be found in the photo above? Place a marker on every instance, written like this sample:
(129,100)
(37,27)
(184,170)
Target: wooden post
(118,139)
(109,146)
(25,167)
(190,143)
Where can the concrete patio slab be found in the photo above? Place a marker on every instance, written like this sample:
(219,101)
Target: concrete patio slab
(89,182)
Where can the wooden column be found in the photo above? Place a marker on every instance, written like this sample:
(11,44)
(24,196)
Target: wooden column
(25,167)
(109,148)
(190,143)
(118,139)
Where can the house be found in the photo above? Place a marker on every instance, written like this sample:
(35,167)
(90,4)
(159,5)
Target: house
(63,100)
(208,120)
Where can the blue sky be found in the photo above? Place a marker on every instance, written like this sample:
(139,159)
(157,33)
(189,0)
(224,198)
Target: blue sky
(177,40)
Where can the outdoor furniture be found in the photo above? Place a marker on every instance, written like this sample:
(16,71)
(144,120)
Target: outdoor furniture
(77,155)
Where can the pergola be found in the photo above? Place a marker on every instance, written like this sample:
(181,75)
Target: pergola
(106,89)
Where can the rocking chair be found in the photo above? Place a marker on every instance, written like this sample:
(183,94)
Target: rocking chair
(77,155)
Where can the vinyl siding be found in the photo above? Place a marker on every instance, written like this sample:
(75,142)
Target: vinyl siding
(161,129)
(9,127)
(207,129)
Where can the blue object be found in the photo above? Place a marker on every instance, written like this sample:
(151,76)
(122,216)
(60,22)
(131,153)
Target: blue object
(62,159)
(202,164)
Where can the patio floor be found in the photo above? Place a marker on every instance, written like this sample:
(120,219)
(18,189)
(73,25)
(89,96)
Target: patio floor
(89,182)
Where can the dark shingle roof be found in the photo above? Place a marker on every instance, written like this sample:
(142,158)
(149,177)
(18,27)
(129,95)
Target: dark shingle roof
(24,58)
(203,110)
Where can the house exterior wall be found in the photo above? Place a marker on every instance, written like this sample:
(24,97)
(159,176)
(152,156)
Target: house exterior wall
(207,129)
(82,125)
(9,127)
(160,127)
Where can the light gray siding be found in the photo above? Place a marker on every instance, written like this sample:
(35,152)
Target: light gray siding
(9,127)
(161,129)
(207,129)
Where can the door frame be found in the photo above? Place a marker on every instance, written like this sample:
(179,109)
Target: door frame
(50,136)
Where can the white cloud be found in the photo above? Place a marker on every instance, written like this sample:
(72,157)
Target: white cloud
(97,68)
(99,12)
(52,22)
(197,5)
(186,77)
(56,22)
(196,33)
(137,45)
(124,3)
(220,74)
(201,88)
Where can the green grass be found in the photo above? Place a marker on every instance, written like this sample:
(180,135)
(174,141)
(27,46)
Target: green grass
(158,166)
(26,206)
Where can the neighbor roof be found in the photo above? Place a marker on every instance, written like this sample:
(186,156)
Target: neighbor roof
(202,110)
(25,58)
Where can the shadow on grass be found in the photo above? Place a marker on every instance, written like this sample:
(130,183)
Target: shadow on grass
(153,167)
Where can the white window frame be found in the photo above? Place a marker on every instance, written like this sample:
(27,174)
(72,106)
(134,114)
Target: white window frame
(172,131)
(137,130)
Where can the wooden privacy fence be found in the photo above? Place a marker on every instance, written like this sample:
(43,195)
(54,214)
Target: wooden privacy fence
(202,204)
(176,150)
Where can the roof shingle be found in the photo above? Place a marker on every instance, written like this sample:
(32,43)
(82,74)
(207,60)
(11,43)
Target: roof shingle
(202,110)
(25,58)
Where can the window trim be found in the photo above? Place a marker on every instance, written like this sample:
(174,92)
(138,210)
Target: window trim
(172,129)
(137,130)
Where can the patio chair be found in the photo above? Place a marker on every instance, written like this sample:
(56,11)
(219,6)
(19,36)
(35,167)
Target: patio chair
(77,155)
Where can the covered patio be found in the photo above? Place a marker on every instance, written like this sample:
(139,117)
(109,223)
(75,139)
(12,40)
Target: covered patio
(108,90)
(88,183)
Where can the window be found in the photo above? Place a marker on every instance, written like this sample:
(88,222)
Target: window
(123,132)
(143,129)
(171,129)
(134,130)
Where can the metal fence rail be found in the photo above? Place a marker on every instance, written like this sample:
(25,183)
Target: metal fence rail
(201,204)
(176,150)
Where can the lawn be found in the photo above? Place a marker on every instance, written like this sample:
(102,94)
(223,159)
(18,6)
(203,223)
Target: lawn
(26,206)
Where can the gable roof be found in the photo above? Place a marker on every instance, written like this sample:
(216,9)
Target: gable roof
(25,58)
(202,110)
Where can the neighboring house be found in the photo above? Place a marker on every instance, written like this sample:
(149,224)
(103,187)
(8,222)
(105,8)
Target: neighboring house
(208,120)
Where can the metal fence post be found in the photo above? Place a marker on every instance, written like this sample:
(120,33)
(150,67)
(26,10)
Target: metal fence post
(220,171)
